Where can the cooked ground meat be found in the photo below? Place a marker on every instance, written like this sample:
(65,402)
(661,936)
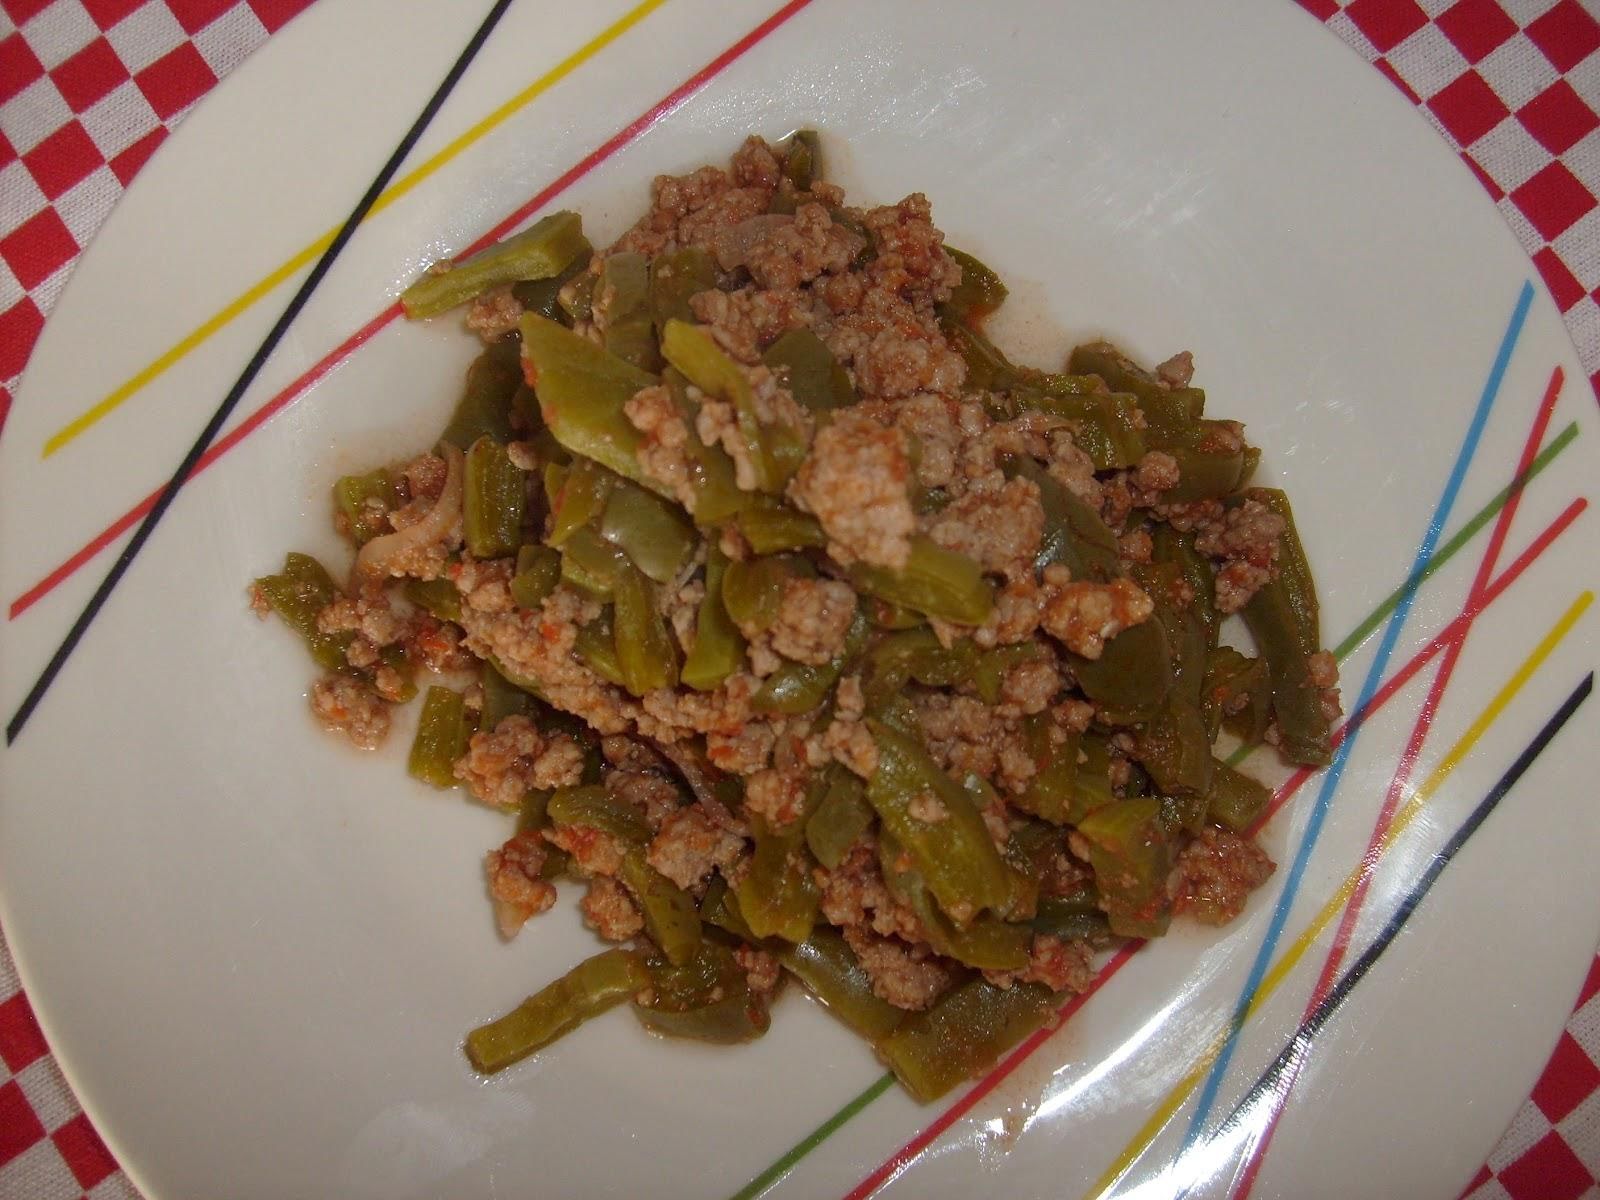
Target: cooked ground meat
(1060,966)
(1215,874)
(745,322)
(609,910)
(664,453)
(776,795)
(514,883)
(1085,616)
(795,253)
(1030,686)
(494,314)
(999,529)
(851,744)
(594,852)
(690,846)
(812,619)
(964,735)
(910,977)
(854,480)
(655,796)
(761,969)
(1245,543)
(351,707)
(501,766)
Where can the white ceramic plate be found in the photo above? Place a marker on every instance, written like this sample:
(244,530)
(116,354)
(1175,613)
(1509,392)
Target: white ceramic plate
(255,952)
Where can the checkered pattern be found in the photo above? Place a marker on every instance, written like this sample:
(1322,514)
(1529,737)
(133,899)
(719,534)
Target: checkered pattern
(1515,86)
(90,88)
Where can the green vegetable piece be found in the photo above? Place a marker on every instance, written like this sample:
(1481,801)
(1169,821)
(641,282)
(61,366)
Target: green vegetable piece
(718,646)
(717,909)
(439,597)
(1132,675)
(796,688)
(1074,534)
(1236,694)
(297,594)
(652,532)
(776,895)
(592,807)
(776,449)
(1174,746)
(1294,571)
(676,275)
(538,573)
(485,405)
(1108,426)
(1170,546)
(1091,785)
(752,591)
(591,564)
(646,651)
(717,497)
(586,991)
(543,250)
(830,971)
(892,617)
(1119,371)
(583,390)
(916,654)
(442,733)
(1205,474)
(543,296)
(963,1035)
(669,913)
(1074,916)
(622,308)
(1050,793)
(1304,735)
(988,370)
(706,998)
(1131,853)
(1235,800)
(1172,418)
(772,527)
(365,502)
(596,647)
(502,699)
(990,668)
(493,498)
(578,496)
(955,856)
(978,294)
(984,942)
(810,371)
(839,820)
(576,301)
(802,159)
(935,581)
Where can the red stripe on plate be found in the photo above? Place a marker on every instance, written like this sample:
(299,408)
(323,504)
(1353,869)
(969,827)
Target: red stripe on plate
(1258,1146)
(912,1149)
(903,1157)
(629,133)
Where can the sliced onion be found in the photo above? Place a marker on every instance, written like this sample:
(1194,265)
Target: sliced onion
(380,553)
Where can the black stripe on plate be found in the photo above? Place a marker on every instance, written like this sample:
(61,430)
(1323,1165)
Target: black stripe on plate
(229,402)
(1300,1046)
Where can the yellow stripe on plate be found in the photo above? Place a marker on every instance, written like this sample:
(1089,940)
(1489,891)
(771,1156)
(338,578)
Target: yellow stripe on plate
(200,333)
(1179,1095)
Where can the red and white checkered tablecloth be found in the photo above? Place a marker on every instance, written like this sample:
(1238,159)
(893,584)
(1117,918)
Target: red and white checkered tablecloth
(90,88)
